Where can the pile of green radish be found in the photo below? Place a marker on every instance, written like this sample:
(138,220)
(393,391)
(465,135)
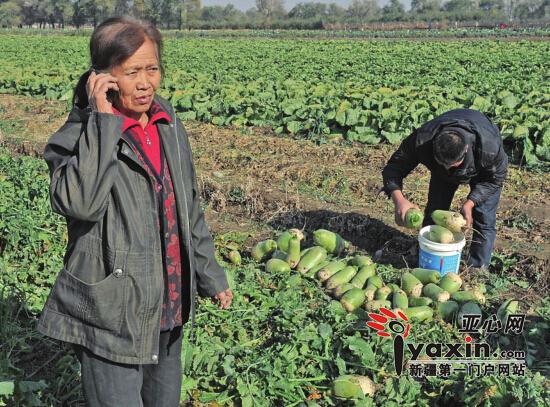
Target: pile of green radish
(447,224)
(352,280)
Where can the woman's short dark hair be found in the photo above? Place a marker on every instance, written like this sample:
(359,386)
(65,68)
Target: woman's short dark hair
(114,41)
(449,148)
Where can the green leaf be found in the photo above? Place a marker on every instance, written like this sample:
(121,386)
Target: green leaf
(482,104)
(361,348)
(188,115)
(510,101)
(218,120)
(6,388)
(393,138)
(294,127)
(325,330)
(31,386)
(362,134)
(341,365)
(352,116)
(520,132)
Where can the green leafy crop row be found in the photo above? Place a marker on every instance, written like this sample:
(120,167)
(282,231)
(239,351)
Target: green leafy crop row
(368,92)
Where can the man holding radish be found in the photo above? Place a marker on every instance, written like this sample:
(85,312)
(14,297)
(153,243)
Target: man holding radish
(459,147)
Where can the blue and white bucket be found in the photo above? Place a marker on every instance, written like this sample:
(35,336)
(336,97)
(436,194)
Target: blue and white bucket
(440,256)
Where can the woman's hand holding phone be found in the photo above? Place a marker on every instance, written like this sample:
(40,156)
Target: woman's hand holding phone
(98,86)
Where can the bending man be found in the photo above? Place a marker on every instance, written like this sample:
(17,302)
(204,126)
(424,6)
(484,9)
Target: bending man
(459,147)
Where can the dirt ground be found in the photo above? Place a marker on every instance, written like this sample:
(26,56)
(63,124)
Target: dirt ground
(253,181)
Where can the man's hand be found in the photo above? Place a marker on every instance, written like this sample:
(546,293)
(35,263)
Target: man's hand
(402,205)
(467,212)
(224,298)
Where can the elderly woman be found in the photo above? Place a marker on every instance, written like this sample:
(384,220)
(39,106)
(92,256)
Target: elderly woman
(122,175)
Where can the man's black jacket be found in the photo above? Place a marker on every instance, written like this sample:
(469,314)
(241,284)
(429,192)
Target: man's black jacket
(484,166)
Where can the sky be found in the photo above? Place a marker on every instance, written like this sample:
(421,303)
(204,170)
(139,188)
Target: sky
(247,4)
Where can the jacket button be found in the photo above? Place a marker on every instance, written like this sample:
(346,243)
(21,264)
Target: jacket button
(117,272)
(166,235)
(154,358)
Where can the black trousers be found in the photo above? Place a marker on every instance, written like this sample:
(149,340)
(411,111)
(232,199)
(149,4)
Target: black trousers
(440,196)
(109,384)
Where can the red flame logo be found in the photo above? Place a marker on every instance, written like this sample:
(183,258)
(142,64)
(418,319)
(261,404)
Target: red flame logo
(395,326)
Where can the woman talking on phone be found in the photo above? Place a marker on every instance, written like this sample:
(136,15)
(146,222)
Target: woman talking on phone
(138,248)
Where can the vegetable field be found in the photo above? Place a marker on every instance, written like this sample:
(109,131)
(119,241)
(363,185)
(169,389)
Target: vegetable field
(253,108)
(367,92)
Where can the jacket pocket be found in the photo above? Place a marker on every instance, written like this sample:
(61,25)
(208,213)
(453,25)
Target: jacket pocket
(100,304)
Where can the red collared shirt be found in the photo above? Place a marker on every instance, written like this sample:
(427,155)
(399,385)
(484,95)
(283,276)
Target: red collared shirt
(147,137)
(146,144)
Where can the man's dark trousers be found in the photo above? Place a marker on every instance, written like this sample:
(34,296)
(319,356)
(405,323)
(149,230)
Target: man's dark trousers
(440,196)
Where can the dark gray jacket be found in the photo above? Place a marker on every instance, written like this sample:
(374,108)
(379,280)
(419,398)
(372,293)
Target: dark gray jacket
(108,296)
(484,166)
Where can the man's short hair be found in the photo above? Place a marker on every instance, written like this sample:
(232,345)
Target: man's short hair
(449,148)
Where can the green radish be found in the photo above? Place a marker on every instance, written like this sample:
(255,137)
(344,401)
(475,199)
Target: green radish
(470,295)
(426,276)
(375,305)
(369,293)
(414,218)
(375,281)
(382,293)
(363,274)
(313,271)
(447,310)
(332,242)
(451,282)
(411,285)
(422,313)
(400,300)
(435,292)
(506,309)
(277,266)
(330,269)
(293,255)
(234,257)
(419,301)
(298,232)
(394,287)
(305,251)
(278,254)
(468,308)
(282,241)
(453,221)
(341,290)
(353,299)
(439,234)
(284,238)
(263,249)
(353,387)
(361,261)
(313,257)
(341,277)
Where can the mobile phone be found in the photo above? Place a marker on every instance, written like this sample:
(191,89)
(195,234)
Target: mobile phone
(111,93)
